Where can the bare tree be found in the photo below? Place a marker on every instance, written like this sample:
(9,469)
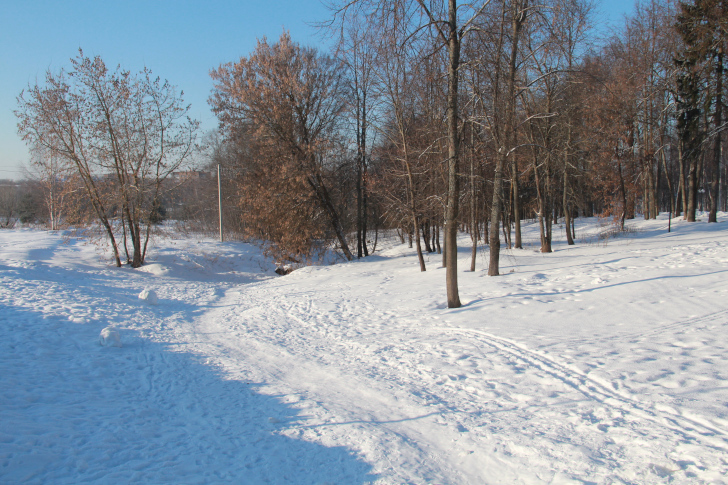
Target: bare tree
(499,100)
(703,27)
(9,201)
(449,26)
(395,72)
(112,125)
(55,180)
(357,51)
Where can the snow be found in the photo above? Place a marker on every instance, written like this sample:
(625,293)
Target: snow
(109,337)
(603,362)
(150,296)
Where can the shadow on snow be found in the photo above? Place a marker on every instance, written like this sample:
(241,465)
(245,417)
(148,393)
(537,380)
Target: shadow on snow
(72,411)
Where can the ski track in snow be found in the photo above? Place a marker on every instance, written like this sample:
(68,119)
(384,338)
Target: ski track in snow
(458,409)
(584,366)
(599,391)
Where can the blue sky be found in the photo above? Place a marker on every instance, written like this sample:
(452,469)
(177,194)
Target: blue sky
(179,40)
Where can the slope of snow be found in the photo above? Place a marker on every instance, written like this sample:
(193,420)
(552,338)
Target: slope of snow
(604,362)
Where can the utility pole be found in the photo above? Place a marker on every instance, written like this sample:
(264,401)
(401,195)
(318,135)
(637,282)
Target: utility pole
(219,199)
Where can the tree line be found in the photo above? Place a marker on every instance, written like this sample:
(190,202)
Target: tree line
(433,117)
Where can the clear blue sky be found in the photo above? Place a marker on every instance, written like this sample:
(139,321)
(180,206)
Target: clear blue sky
(179,40)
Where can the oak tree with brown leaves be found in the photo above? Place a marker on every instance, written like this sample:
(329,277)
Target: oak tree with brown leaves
(288,100)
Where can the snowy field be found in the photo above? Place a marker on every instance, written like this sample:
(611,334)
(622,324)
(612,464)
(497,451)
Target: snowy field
(604,362)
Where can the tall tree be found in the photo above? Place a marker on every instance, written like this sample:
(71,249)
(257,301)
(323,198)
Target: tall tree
(703,25)
(54,179)
(289,97)
(357,52)
(112,125)
(450,25)
(395,83)
(692,25)
(502,118)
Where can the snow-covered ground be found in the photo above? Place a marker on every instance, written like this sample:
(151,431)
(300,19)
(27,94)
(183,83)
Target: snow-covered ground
(604,362)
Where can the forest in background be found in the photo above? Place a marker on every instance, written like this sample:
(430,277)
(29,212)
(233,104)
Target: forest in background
(427,118)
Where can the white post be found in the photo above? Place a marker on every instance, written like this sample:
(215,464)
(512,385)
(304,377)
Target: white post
(219,199)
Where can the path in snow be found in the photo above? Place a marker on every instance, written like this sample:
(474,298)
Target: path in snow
(474,406)
(606,363)
(72,411)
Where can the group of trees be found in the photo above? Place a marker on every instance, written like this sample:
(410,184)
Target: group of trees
(114,135)
(428,116)
(17,203)
(432,115)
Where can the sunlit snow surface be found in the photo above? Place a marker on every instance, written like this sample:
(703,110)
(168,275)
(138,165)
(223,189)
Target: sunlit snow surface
(604,362)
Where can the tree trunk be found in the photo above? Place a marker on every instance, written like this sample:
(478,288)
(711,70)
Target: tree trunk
(361,173)
(542,209)
(567,209)
(136,261)
(453,142)
(669,183)
(682,190)
(413,205)
(573,229)
(624,197)
(425,229)
(718,120)
(473,204)
(95,198)
(495,214)
(359,246)
(323,198)
(517,21)
(692,189)
(416,226)
(656,188)
(516,202)
(432,235)
(646,201)
(364,210)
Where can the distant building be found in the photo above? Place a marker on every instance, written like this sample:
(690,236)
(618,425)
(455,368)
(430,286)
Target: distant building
(190,175)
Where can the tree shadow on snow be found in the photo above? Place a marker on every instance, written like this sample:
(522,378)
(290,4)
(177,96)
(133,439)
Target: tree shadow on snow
(73,411)
(476,303)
